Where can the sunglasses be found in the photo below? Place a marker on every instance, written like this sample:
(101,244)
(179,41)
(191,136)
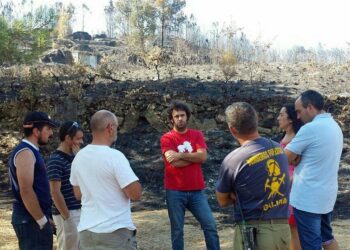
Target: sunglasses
(74,125)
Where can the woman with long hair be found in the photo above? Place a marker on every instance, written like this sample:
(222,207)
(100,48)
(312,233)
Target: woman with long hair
(290,124)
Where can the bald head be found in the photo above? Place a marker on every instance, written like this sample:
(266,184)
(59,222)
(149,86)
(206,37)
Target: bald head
(101,119)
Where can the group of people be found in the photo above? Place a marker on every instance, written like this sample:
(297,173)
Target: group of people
(91,188)
(283,193)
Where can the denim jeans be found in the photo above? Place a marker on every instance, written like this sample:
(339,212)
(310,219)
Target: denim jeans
(197,203)
(29,235)
(314,229)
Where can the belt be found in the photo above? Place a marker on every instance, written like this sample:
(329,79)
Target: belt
(271,221)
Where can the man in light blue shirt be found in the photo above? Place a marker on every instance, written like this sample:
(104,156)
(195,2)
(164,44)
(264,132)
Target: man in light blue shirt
(316,151)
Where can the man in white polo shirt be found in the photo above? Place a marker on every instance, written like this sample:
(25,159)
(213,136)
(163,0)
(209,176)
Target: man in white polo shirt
(103,178)
(318,146)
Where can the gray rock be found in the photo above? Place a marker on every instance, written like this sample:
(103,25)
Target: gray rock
(81,35)
(58,56)
(130,121)
(154,118)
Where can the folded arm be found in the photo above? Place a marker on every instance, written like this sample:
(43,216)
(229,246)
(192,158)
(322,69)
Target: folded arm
(178,159)
(293,158)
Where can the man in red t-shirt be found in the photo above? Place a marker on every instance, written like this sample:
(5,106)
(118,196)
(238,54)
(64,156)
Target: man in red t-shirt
(184,150)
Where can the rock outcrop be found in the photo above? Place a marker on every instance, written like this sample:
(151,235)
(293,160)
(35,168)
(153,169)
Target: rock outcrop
(58,56)
(81,35)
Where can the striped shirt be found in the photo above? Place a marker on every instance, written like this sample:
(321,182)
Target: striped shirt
(58,169)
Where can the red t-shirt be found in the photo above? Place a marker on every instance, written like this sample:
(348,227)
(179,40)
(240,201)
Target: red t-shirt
(184,178)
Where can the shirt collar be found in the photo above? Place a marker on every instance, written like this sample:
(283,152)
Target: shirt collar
(31,144)
(320,116)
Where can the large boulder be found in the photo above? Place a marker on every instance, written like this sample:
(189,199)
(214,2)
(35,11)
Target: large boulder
(58,56)
(81,35)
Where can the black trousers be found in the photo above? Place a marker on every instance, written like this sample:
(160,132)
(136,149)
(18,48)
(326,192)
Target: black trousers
(29,235)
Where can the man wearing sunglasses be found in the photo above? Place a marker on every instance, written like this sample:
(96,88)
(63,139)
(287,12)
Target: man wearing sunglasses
(66,208)
(30,186)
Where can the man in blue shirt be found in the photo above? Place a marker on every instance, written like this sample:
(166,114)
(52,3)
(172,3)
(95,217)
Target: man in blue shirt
(66,208)
(317,149)
(30,186)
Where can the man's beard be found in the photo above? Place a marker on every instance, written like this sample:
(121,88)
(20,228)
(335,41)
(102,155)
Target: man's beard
(41,142)
(181,128)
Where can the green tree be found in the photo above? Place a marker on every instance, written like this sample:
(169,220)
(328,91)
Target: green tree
(25,37)
(170,16)
(6,10)
(8,49)
(123,12)
(63,26)
(110,11)
(143,23)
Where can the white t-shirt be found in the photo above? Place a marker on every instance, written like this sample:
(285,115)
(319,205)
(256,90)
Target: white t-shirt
(315,182)
(101,173)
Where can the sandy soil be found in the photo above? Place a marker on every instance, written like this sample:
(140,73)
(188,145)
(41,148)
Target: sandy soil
(153,231)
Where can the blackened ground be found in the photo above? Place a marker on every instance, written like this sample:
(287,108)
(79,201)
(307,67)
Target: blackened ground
(142,148)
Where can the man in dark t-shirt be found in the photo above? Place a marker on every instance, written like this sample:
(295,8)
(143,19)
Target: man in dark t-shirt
(66,208)
(254,178)
(27,171)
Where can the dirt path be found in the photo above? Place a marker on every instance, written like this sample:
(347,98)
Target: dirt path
(154,231)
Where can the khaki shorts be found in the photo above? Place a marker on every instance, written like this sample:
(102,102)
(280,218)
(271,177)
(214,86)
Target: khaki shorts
(269,236)
(121,239)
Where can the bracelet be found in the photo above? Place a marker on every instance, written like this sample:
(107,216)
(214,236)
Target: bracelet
(41,222)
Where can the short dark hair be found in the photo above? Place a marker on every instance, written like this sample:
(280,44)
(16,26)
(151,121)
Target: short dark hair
(29,131)
(177,105)
(292,115)
(69,128)
(312,97)
(242,117)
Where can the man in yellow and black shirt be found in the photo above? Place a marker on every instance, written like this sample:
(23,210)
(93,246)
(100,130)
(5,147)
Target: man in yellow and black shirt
(254,178)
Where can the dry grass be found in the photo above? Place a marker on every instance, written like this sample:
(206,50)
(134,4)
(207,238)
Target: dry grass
(8,240)
(153,232)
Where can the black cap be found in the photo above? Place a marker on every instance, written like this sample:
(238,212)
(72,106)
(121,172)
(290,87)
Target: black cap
(36,118)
